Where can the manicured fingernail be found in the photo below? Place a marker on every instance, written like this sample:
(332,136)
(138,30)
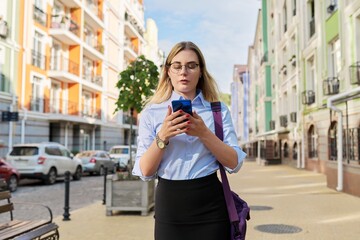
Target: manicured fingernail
(188,122)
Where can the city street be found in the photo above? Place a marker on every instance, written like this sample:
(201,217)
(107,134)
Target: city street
(286,203)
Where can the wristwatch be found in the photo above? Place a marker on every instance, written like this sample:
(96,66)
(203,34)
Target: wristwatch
(160,143)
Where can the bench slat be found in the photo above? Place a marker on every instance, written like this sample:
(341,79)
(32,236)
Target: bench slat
(39,232)
(7,207)
(5,195)
(20,228)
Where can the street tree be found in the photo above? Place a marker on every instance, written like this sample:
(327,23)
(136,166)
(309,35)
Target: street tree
(136,84)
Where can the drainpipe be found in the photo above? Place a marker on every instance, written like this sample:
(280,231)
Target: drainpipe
(340,131)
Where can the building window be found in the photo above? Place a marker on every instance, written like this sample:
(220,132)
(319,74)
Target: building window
(311,11)
(37,101)
(333,141)
(285,17)
(38,58)
(334,58)
(311,74)
(293,7)
(312,142)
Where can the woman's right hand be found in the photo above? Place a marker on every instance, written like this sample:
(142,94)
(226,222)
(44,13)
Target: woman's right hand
(174,124)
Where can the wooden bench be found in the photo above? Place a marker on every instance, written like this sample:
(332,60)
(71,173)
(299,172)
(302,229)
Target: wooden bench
(25,229)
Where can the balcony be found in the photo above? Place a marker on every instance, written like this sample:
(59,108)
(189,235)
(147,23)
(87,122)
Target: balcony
(65,29)
(132,27)
(331,86)
(38,59)
(60,106)
(293,117)
(93,14)
(272,125)
(355,73)
(96,79)
(308,97)
(40,16)
(64,69)
(283,120)
(93,49)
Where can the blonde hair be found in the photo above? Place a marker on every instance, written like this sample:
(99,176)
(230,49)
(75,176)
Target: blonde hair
(206,82)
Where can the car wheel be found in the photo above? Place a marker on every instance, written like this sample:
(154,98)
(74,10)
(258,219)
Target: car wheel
(51,177)
(78,173)
(13,183)
(101,171)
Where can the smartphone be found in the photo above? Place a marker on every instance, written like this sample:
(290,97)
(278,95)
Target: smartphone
(184,105)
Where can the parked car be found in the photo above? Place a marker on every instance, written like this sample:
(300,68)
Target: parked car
(121,155)
(95,161)
(46,161)
(10,174)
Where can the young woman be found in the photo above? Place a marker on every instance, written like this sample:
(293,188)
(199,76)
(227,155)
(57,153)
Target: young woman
(182,151)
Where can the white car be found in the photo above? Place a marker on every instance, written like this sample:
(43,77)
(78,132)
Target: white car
(46,161)
(120,154)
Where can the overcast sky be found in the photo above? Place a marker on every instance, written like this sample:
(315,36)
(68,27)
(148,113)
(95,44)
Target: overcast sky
(222,29)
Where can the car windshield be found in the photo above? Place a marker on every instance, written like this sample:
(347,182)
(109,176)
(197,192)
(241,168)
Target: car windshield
(24,151)
(119,151)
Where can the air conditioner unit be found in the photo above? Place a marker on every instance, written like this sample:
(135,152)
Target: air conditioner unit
(283,121)
(3,29)
(293,117)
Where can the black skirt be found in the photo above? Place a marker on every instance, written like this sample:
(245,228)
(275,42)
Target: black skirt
(191,210)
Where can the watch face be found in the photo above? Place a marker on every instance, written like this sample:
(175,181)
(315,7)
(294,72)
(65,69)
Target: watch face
(161,145)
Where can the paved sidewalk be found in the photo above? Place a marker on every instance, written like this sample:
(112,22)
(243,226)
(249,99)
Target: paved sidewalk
(286,203)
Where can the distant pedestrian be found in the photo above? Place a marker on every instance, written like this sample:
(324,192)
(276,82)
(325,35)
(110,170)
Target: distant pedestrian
(182,151)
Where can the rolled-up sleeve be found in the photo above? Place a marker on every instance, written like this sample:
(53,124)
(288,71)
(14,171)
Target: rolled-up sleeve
(230,138)
(145,138)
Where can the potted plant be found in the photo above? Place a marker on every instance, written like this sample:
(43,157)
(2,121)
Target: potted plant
(125,192)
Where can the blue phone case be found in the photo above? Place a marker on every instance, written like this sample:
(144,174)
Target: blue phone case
(184,105)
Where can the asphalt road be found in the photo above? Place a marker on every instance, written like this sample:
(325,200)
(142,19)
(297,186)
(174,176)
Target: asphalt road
(88,190)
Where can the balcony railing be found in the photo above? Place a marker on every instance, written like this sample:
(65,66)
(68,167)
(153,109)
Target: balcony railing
(308,97)
(59,63)
(4,29)
(293,117)
(130,19)
(126,120)
(38,59)
(355,73)
(36,104)
(283,120)
(331,86)
(61,106)
(40,16)
(88,110)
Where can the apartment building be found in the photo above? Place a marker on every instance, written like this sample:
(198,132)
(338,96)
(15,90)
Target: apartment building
(305,76)
(66,57)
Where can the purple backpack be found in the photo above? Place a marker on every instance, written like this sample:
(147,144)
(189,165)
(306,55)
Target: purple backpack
(238,210)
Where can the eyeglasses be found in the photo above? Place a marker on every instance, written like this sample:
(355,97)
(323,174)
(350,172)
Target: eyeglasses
(177,67)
